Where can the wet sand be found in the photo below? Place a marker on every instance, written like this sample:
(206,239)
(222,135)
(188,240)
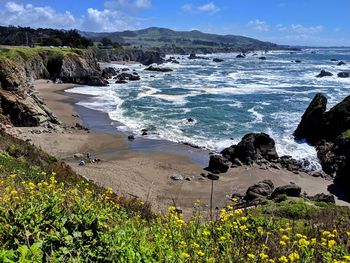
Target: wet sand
(144,172)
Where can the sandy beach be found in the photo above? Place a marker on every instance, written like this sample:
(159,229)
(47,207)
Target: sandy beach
(145,174)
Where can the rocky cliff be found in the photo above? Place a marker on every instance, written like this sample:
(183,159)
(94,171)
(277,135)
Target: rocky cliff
(20,67)
(329,131)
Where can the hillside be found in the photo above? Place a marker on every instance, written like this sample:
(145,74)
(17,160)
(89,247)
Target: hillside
(164,38)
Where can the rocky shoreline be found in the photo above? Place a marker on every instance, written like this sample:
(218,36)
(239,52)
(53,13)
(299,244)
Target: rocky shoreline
(255,151)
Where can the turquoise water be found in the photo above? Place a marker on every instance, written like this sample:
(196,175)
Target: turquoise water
(227,100)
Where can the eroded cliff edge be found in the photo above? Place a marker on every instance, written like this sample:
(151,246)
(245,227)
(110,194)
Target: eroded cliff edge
(19,104)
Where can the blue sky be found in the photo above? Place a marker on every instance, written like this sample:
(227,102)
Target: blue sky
(295,22)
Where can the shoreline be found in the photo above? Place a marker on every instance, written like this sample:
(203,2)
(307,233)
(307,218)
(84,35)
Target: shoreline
(143,169)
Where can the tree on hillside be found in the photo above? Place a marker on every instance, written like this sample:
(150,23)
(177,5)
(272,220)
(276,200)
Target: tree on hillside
(105,41)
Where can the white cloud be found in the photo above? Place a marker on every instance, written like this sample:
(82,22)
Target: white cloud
(118,4)
(299,29)
(259,25)
(29,15)
(12,13)
(209,8)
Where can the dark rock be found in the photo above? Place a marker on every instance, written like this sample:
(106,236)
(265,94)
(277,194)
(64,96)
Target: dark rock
(131,137)
(288,190)
(311,120)
(297,61)
(323,198)
(341,63)
(344,75)
(218,163)
(218,60)
(290,164)
(156,69)
(324,73)
(259,190)
(262,58)
(190,120)
(252,147)
(121,82)
(125,69)
(127,76)
(213,177)
(95,81)
(240,56)
(109,72)
(144,133)
(334,59)
(317,174)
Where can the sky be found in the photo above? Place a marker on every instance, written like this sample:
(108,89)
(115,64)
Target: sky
(291,22)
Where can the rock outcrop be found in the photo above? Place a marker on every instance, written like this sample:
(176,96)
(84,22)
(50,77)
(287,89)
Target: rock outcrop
(218,164)
(252,147)
(343,75)
(324,73)
(262,189)
(317,124)
(157,69)
(329,131)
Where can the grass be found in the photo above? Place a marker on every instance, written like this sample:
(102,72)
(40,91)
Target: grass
(31,53)
(50,214)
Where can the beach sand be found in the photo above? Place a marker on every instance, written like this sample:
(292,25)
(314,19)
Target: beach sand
(146,174)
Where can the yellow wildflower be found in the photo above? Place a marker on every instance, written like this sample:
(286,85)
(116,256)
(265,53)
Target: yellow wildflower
(331,243)
(282,243)
(200,253)
(251,256)
(185,255)
(263,256)
(283,259)
(285,238)
(206,232)
(294,257)
(303,242)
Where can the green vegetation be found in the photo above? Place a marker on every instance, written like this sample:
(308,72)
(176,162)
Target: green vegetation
(30,37)
(347,134)
(33,53)
(50,214)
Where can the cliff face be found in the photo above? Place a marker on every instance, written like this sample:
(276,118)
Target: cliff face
(19,68)
(138,55)
(329,131)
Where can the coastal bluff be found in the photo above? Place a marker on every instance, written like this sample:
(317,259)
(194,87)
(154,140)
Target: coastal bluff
(19,67)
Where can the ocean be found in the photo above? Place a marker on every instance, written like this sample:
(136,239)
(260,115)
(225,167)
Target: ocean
(226,100)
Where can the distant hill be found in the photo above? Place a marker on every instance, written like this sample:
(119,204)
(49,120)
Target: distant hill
(164,38)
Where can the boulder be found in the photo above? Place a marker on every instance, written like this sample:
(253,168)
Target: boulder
(213,177)
(157,69)
(334,59)
(131,137)
(341,63)
(109,72)
(240,56)
(259,190)
(324,73)
(128,76)
(288,190)
(218,164)
(312,119)
(290,164)
(344,75)
(323,198)
(262,58)
(252,147)
(218,60)
(297,61)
